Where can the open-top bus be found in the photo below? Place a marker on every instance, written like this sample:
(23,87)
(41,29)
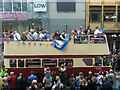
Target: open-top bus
(83,53)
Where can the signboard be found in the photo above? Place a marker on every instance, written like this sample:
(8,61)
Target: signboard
(40,6)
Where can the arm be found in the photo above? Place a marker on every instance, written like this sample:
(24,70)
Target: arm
(53,36)
(62,37)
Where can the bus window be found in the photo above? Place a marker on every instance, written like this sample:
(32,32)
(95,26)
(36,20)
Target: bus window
(97,39)
(88,61)
(80,39)
(49,62)
(98,61)
(106,61)
(66,62)
(12,63)
(33,63)
(20,63)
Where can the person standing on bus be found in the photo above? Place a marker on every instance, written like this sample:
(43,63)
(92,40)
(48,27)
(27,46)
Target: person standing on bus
(63,36)
(3,71)
(31,78)
(55,36)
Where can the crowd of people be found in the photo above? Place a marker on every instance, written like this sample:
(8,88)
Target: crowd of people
(103,80)
(43,35)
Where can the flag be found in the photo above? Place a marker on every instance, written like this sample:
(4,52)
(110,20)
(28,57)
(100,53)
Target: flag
(60,44)
(102,30)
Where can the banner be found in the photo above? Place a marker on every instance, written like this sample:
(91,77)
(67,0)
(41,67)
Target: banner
(40,5)
(60,44)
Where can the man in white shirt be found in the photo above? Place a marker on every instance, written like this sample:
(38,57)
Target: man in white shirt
(97,31)
(16,36)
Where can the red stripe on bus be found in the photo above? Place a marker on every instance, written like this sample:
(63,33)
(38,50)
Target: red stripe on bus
(52,56)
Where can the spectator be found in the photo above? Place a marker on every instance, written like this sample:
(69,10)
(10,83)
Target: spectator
(111,76)
(55,36)
(31,78)
(34,35)
(5,87)
(63,76)
(12,81)
(40,87)
(89,78)
(1,83)
(106,85)
(53,77)
(84,85)
(80,75)
(21,82)
(16,36)
(92,84)
(72,82)
(33,85)
(47,72)
(58,83)
(3,71)
(79,82)
(23,37)
(48,83)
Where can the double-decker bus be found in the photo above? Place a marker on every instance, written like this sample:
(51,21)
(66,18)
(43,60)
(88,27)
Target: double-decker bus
(83,53)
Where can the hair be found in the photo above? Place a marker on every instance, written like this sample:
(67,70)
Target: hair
(40,85)
(84,83)
(72,75)
(57,78)
(32,72)
(94,79)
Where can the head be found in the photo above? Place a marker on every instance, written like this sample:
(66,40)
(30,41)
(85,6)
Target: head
(47,31)
(56,33)
(11,73)
(15,32)
(42,31)
(90,73)
(72,75)
(32,73)
(88,27)
(80,74)
(24,33)
(97,27)
(57,78)
(40,85)
(3,67)
(30,33)
(105,78)
(34,81)
(110,71)
(6,74)
(34,30)
(63,33)
(62,65)
(53,73)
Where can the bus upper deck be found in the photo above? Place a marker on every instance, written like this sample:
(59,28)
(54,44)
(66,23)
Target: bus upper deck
(78,46)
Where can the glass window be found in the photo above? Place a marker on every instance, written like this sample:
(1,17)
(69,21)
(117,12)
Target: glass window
(88,61)
(8,5)
(1,6)
(66,62)
(17,6)
(118,14)
(80,39)
(110,13)
(21,63)
(49,62)
(97,39)
(98,61)
(95,13)
(33,63)
(12,63)
(106,61)
(24,5)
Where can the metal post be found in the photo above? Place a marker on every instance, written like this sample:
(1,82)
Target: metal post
(66,27)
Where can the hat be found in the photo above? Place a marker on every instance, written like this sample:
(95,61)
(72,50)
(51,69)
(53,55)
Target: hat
(34,81)
(3,66)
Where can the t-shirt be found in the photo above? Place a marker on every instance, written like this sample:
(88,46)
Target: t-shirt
(31,78)
(48,82)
